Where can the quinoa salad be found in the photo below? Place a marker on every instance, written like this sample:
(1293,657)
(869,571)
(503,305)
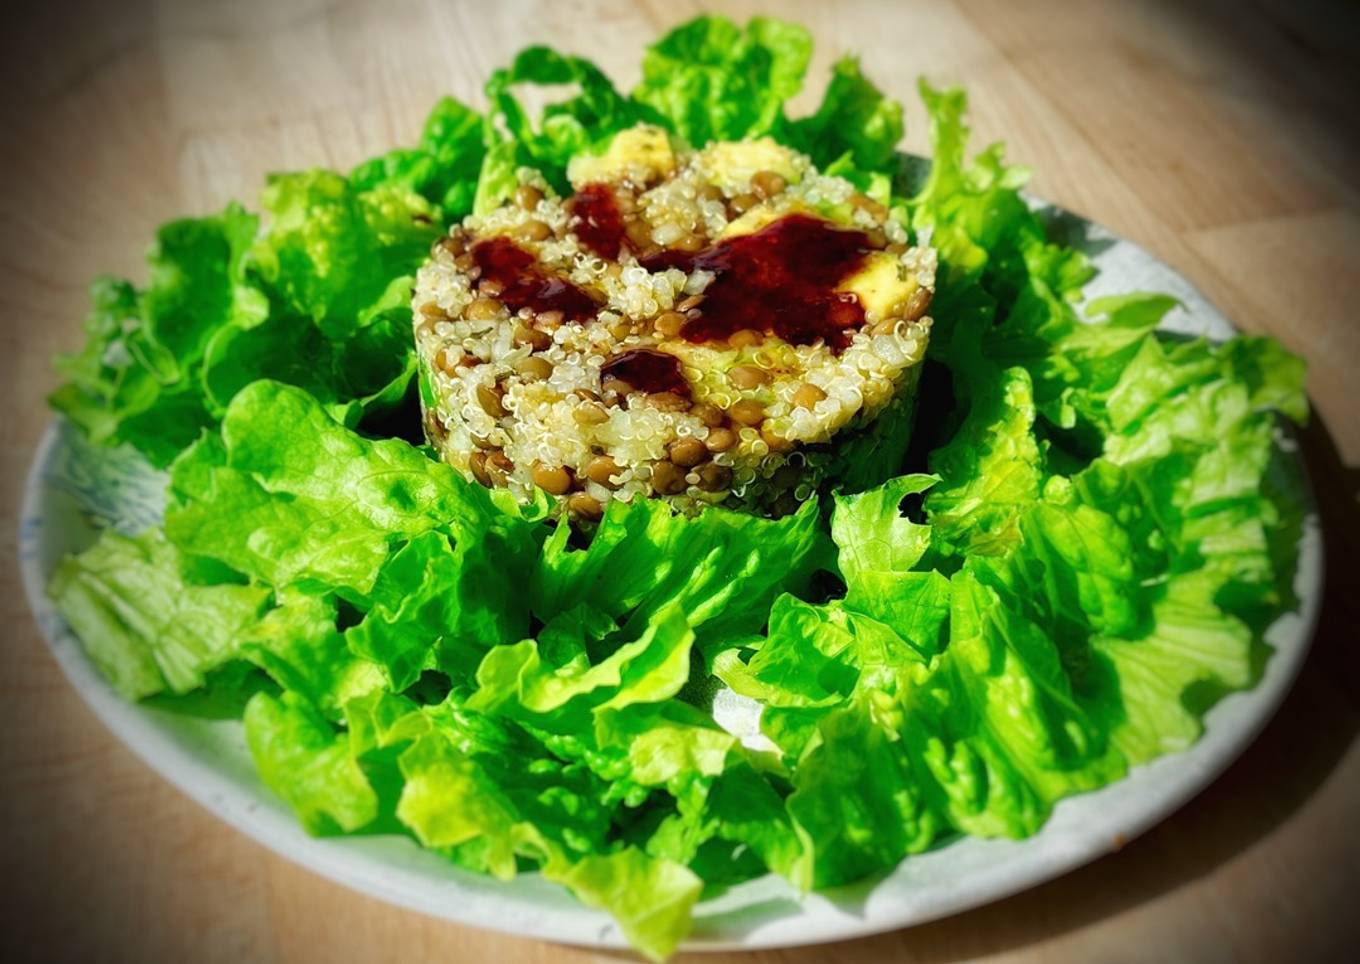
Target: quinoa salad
(622,384)
(663,491)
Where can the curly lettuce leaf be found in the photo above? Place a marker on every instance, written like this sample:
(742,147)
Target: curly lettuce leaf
(710,80)
(855,130)
(299,645)
(983,740)
(665,742)
(815,656)
(442,168)
(301,758)
(145,622)
(514,679)
(872,534)
(285,494)
(441,602)
(990,469)
(449,801)
(856,806)
(135,381)
(319,300)
(723,567)
(973,209)
(650,898)
(370,370)
(595,113)
(330,252)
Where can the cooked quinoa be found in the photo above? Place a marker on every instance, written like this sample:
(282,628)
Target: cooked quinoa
(539,395)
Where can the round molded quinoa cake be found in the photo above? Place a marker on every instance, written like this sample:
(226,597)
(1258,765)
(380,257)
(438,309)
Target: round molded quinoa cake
(720,326)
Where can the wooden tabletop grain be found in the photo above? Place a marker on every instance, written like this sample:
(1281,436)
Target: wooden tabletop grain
(1221,135)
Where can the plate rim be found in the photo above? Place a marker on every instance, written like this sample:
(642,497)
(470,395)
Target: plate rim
(135,727)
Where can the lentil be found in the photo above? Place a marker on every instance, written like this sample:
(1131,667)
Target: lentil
(667,478)
(528,196)
(584,506)
(669,401)
(917,304)
(766,184)
(669,323)
(747,412)
(535,339)
(535,231)
(602,469)
(714,477)
(477,462)
(490,400)
(747,377)
(590,413)
(807,395)
(553,479)
(687,452)
(483,309)
(720,440)
(710,415)
(536,367)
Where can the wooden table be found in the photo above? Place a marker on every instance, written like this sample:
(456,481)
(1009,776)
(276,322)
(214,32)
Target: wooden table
(1223,137)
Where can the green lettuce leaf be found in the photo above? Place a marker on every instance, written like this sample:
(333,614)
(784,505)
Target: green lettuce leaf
(666,743)
(320,300)
(299,646)
(573,126)
(135,381)
(441,602)
(989,470)
(855,122)
(1193,643)
(369,371)
(723,568)
(286,494)
(711,80)
(330,252)
(653,667)
(307,763)
(872,535)
(651,899)
(857,806)
(146,624)
(449,800)
(442,168)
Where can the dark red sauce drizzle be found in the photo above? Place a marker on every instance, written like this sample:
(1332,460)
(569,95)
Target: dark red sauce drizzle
(647,371)
(597,221)
(524,285)
(780,280)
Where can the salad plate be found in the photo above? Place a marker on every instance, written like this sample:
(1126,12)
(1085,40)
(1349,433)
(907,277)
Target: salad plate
(75,488)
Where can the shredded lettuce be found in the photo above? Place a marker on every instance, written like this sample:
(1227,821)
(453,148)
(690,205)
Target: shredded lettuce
(1055,589)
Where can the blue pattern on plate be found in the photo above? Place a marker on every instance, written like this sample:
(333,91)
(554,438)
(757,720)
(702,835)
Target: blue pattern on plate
(114,487)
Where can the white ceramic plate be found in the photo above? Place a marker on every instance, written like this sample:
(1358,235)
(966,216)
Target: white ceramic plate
(72,489)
